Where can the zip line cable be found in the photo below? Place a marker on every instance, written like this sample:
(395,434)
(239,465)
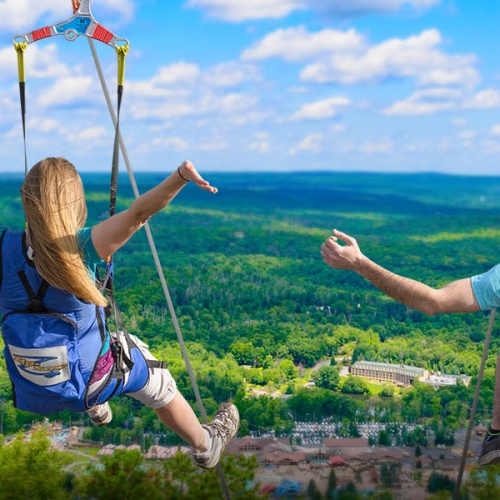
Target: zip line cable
(156,257)
(456,494)
(152,244)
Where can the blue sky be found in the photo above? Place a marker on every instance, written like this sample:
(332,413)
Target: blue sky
(263,85)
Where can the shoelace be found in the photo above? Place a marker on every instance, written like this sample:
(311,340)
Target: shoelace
(218,426)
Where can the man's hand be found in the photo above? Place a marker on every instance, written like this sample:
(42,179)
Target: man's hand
(347,256)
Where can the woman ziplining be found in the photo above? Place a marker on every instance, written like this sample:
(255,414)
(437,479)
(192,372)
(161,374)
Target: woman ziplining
(59,351)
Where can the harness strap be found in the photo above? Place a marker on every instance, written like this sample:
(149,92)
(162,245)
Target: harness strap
(20,48)
(35,301)
(1,244)
(121,356)
(121,52)
(154,363)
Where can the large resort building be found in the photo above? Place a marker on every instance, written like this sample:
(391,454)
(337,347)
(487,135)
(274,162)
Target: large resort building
(404,375)
(385,372)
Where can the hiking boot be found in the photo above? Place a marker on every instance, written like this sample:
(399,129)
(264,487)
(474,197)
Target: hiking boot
(221,430)
(100,414)
(490,452)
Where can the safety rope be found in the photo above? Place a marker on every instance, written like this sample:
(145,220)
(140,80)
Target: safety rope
(458,484)
(156,258)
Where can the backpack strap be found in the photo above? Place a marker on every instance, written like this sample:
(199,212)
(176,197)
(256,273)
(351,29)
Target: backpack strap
(35,301)
(1,244)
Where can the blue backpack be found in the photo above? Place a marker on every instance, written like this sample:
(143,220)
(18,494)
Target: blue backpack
(51,351)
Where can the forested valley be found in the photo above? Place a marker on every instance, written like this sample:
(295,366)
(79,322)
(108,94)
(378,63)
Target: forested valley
(259,309)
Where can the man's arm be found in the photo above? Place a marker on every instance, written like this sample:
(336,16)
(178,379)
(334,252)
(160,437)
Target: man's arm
(457,296)
(111,234)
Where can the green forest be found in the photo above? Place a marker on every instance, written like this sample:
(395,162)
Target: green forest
(259,309)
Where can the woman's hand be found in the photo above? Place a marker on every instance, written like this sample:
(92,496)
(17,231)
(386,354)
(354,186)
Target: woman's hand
(188,172)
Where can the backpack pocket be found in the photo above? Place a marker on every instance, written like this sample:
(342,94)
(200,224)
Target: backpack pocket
(42,357)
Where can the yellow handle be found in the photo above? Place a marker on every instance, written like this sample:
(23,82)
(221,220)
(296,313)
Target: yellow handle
(121,51)
(20,48)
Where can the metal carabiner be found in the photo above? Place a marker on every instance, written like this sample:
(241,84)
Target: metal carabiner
(82,23)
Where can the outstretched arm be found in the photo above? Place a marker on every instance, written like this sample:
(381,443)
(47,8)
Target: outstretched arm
(111,234)
(457,296)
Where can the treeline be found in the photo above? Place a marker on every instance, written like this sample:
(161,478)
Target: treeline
(32,469)
(259,308)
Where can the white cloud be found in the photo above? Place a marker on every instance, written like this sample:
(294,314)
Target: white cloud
(495,130)
(92,134)
(417,57)
(144,110)
(171,86)
(211,145)
(444,99)
(237,11)
(427,101)
(229,103)
(490,147)
(148,89)
(40,62)
(181,73)
(11,108)
(320,110)
(68,90)
(232,74)
(196,103)
(353,8)
(24,14)
(297,44)
(171,142)
(486,99)
(251,117)
(183,89)
(377,147)
(43,62)
(261,143)
(467,134)
(46,125)
(8,63)
(337,127)
(310,143)
(458,122)
(124,8)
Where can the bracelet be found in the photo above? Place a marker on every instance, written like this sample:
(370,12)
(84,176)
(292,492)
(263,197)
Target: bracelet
(180,175)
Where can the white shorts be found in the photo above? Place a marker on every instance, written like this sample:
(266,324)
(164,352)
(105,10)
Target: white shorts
(160,388)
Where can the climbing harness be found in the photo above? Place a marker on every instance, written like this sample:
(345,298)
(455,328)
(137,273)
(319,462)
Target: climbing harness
(82,23)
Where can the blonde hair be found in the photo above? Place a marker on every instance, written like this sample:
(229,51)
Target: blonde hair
(54,205)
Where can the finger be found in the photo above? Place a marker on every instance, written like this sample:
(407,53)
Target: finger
(332,242)
(329,251)
(209,188)
(349,240)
